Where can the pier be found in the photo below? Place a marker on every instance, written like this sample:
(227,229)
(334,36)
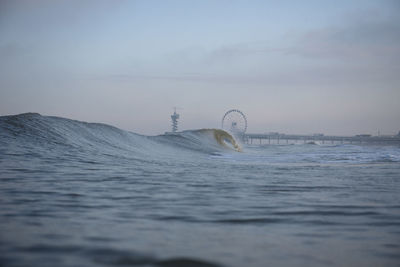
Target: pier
(235,122)
(279,138)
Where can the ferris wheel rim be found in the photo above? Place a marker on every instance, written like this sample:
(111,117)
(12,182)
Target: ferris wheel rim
(235,111)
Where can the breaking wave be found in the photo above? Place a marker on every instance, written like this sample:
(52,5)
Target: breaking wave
(55,138)
(48,133)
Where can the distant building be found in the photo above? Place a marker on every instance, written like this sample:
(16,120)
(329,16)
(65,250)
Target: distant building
(363,135)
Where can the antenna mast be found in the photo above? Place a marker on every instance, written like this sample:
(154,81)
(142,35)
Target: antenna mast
(174,118)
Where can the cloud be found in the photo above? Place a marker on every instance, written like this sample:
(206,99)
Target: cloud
(362,50)
(363,40)
(234,52)
(10,50)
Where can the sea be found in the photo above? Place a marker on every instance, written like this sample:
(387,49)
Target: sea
(74,193)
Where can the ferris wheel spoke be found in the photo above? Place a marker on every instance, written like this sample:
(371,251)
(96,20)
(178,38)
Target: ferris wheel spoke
(234,121)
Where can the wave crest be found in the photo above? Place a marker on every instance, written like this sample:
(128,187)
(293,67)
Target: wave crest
(30,130)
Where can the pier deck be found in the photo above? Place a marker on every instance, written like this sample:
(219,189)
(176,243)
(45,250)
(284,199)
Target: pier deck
(292,138)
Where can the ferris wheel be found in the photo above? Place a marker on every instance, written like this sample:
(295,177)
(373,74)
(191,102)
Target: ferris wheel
(234,121)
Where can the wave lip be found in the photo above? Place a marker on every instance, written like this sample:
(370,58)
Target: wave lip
(223,138)
(201,140)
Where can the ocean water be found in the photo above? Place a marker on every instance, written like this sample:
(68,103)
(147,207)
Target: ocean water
(84,194)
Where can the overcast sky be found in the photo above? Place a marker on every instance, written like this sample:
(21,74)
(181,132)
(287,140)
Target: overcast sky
(302,67)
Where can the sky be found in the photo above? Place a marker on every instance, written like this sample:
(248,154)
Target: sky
(298,67)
